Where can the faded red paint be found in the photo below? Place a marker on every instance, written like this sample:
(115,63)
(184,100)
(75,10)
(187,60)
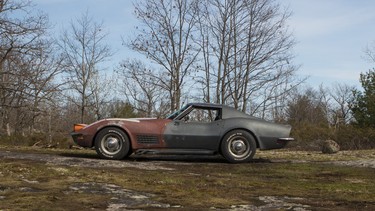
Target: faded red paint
(133,127)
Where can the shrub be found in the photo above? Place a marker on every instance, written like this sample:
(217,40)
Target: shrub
(309,136)
(37,139)
(349,137)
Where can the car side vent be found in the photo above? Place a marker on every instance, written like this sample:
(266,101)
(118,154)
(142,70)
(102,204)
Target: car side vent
(147,139)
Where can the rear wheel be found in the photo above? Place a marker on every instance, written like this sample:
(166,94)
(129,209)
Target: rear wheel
(238,146)
(112,143)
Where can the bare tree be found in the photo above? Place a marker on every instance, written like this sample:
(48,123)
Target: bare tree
(307,106)
(369,53)
(21,39)
(341,94)
(165,37)
(238,51)
(83,50)
(146,94)
(42,81)
(101,87)
(323,105)
(19,28)
(246,52)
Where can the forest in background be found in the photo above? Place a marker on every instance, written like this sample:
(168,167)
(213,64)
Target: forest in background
(227,52)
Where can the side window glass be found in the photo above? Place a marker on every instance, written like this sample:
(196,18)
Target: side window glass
(202,115)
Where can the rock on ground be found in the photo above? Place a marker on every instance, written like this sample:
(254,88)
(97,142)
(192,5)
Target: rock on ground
(330,147)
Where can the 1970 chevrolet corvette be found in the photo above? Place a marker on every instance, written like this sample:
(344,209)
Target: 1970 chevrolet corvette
(197,128)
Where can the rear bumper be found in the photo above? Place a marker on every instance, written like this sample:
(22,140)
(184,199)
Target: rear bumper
(282,142)
(285,139)
(267,143)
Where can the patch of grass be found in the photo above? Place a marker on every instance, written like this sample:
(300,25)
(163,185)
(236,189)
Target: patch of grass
(35,185)
(316,156)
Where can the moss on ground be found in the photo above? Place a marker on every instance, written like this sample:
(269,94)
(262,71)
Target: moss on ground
(28,184)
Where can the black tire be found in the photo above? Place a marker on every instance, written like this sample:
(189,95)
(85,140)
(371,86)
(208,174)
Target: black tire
(112,143)
(238,146)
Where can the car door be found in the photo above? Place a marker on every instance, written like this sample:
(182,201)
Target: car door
(199,129)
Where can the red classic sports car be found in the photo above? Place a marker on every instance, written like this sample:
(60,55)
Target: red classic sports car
(197,128)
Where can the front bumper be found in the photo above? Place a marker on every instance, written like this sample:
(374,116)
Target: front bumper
(81,139)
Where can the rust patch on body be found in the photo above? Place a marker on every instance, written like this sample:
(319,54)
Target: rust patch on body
(150,131)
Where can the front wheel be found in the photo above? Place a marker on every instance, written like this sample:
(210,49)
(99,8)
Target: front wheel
(238,146)
(112,143)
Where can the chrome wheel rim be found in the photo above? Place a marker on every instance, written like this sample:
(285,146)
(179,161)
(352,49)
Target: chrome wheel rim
(111,144)
(238,147)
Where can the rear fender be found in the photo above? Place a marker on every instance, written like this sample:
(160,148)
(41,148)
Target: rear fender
(244,129)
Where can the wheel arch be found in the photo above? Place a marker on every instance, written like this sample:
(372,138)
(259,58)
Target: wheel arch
(244,129)
(113,126)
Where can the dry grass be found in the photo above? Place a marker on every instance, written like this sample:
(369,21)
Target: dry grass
(317,156)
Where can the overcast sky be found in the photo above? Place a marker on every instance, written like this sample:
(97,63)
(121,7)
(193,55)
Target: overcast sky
(331,35)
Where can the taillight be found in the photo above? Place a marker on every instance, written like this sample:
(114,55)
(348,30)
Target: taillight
(78,127)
